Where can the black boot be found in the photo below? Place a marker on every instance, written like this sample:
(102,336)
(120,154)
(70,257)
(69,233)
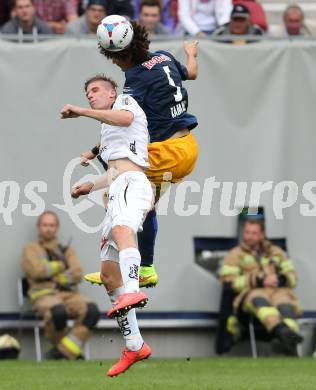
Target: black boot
(288,338)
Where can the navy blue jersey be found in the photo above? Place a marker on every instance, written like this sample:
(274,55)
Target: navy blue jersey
(156,85)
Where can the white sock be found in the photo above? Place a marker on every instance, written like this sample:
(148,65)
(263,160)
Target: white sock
(129,265)
(128,324)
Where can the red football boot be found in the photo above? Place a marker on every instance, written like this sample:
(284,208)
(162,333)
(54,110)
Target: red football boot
(128,358)
(126,302)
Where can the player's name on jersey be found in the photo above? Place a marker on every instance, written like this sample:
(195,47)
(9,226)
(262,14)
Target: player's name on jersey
(178,109)
(155,60)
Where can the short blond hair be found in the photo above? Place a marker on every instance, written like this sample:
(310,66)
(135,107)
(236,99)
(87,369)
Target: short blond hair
(100,77)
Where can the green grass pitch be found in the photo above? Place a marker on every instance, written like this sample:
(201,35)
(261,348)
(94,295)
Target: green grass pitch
(213,374)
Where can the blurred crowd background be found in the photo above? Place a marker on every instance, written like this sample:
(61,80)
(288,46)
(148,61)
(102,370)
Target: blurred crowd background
(200,18)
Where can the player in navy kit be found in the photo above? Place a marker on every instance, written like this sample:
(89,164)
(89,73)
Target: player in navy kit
(154,80)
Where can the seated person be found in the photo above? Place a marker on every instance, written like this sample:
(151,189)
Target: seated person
(150,16)
(201,18)
(169,13)
(25,21)
(57,13)
(121,7)
(264,279)
(294,24)
(53,273)
(113,7)
(89,21)
(240,24)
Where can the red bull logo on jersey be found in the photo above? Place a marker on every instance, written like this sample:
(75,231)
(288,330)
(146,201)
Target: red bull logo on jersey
(155,60)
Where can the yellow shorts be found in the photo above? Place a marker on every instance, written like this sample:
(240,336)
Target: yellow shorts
(171,160)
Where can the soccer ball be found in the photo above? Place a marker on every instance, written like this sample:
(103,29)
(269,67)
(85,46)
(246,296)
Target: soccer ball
(115,33)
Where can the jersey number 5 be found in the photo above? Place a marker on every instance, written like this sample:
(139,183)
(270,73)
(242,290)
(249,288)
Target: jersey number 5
(178,95)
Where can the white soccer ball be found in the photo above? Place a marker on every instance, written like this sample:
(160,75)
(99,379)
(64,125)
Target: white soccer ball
(115,33)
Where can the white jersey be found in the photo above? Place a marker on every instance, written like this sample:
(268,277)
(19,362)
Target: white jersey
(126,142)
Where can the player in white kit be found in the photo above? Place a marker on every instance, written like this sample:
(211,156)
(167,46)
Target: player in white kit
(123,146)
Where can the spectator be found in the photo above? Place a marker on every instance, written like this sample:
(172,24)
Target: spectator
(263,279)
(89,21)
(25,21)
(202,17)
(294,24)
(120,7)
(168,12)
(82,5)
(113,7)
(57,13)
(5,8)
(150,16)
(240,24)
(53,273)
(293,19)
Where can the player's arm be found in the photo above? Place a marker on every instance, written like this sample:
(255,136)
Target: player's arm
(191,50)
(99,182)
(121,118)
(89,155)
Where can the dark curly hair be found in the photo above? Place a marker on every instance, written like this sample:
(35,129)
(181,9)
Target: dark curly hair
(138,50)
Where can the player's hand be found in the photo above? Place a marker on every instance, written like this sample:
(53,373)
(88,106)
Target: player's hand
(85,157)
(271,281)
(191,48)
(81,189)
(70,111)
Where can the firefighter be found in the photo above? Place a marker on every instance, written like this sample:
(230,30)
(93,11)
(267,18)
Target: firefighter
(264,280)
(53,273)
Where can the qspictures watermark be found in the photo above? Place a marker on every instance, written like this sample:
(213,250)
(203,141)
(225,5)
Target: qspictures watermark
(231,198)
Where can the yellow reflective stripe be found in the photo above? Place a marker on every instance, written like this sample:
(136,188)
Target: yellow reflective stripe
(62,278)
(247,259)
(55,267)
(291,278)
(264,312)
(292,324)
(52,267)
(71,345)
(264,260)
(233,326)
(287,266)
(277,258)
(228,270)
(41,293)
(240,283)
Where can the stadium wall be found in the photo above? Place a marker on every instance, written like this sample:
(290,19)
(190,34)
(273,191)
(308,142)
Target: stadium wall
(256,111)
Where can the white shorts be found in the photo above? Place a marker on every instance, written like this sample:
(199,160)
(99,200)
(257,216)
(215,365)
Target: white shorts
(130,198)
